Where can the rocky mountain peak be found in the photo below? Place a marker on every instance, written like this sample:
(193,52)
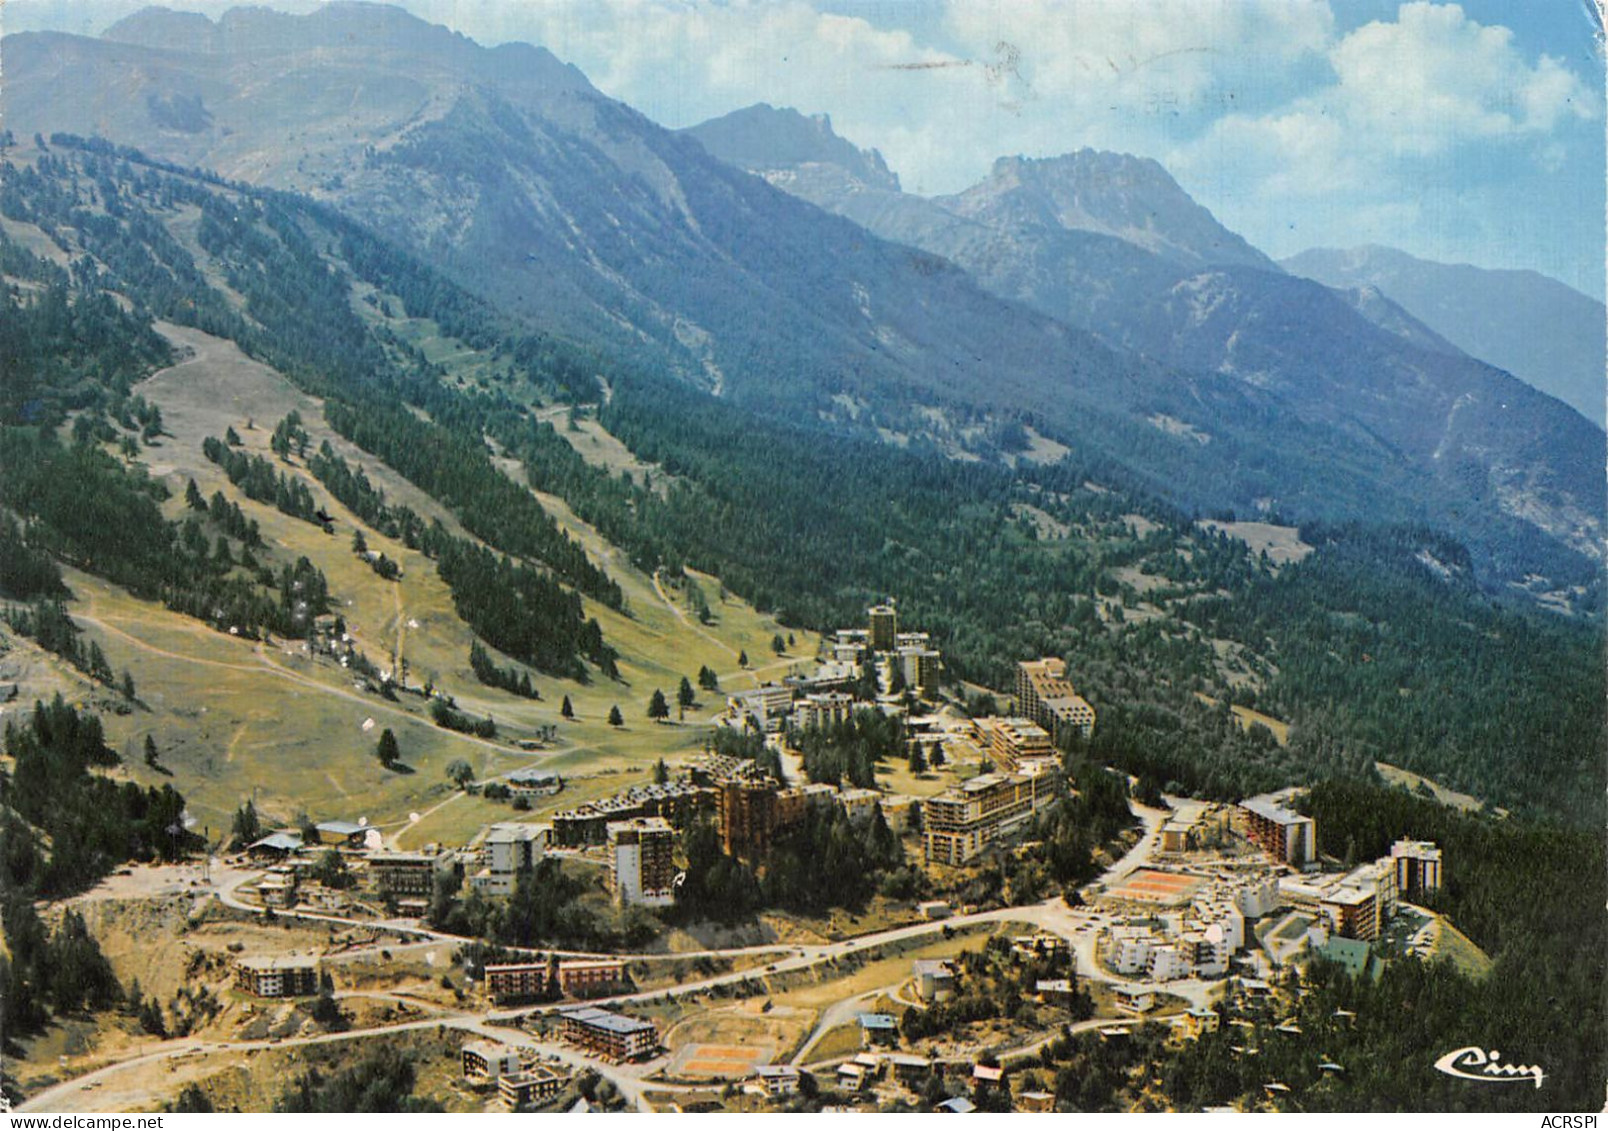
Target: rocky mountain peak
(1114,194)
(766,139)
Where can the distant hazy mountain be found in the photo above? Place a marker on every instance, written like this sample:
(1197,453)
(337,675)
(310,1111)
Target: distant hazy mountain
(573,211)
(1534,327)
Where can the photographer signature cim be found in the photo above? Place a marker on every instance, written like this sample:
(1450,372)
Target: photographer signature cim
(1475,1063)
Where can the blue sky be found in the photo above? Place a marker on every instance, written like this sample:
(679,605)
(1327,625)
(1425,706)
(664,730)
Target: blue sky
(1468,132)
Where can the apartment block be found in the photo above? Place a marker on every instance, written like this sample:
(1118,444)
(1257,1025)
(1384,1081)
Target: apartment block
(488,1061)
(919,665)
(516,981)
(401,874)
(962,821)
(277,977)
(642,867)
(1360,904)
(581,977)
(1013,741)
(823,710)
(1285,836)
(1046,696)
(534,1085)
(506,848)
(754,813)
(612,1036)
(1418,865)
(884,627)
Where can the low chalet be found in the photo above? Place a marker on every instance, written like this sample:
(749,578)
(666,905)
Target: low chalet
(879,1028)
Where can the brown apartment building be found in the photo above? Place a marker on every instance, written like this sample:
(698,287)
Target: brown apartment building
(1045,696)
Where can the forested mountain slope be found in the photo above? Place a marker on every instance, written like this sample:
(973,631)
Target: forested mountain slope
(1111,244)
(1378,646)
(578,214)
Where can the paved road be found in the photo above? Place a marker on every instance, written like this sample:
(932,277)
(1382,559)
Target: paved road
(1077,926)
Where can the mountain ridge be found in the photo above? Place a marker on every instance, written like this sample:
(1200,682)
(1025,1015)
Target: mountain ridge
(1532,325)
(576,213)
(1353,360)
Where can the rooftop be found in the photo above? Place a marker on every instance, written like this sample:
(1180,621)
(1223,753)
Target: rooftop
(603,1019)
(1271,811)
(280,842)
(340,828)
(877,1021)
(279,962)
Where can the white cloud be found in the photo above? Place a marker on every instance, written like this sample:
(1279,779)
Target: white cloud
(1419,113)
(1094,51)
(1435,78)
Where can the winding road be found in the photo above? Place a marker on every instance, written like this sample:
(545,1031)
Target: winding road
(1053,915)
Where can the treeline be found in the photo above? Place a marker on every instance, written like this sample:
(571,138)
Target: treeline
(91,823)
(513,607)
(454,467)
(49,626)
(62,827)
(547,908)
(1385,643)
(508,679)
(301,322)
(63,350)
(850,750)
(444,713)
(352,488)
(89,510)
(26,571)
(521,611)
(827,861)
(261,481)
(226,515)
(382,1081)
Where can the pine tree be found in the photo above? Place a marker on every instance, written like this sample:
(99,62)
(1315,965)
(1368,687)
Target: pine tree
(387,750)
(661,773)
(685,696)
(566,709)
(192,497)
(615,718)
(150,752)
(247,828)
(707,679)
(658,708)
(742,659)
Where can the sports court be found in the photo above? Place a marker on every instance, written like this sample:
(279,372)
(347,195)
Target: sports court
(1150,886)
(730,1061)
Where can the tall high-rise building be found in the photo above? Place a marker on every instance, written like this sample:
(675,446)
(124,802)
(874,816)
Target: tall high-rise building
(884,627)
(919,666)
(642,866)
(1287,837)
(1418,865)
